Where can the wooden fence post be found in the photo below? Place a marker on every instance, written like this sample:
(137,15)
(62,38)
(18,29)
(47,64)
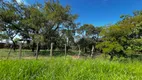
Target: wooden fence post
(92,51)
(65,50)
(20,50)
(79,52)
(37,50)
(9,51)
(51,50)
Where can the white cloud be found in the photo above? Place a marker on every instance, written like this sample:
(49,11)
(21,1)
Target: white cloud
(22,1)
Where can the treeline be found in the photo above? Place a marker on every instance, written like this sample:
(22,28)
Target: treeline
(124,37)
(53,26)
(36,24)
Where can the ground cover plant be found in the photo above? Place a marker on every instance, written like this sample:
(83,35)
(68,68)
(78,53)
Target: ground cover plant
(61,68)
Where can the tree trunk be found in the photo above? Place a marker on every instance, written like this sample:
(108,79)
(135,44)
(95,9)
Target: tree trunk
(111,57)
(33,46)
(37,50)
(14,46)
(51,50)
(79,52)
(20,50)
(85,50)
(9,51)
(92,51)
(65,50)
(39,47)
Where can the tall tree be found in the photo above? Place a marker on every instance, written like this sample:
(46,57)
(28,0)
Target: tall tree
(89,37)
(123,37)
(9,18)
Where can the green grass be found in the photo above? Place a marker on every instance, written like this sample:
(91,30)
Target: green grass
(60,68)
(4,53)
(29,53)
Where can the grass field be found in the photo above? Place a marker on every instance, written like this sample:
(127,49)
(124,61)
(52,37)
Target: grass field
(29,53)
(69,68)
(61,68)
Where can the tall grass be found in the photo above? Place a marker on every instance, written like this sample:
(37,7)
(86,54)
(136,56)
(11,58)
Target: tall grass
(69,69)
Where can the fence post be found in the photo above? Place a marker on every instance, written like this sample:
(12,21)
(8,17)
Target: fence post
(79,52)
(65,50)
(92,51)
(9,51)
(51,50)
(37,50)
(20,50)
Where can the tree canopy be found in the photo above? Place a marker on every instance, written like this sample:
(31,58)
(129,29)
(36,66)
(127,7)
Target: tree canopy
(43,24)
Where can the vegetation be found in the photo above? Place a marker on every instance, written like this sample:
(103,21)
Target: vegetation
(40,25)
(69,69)
(123,37)
(49,31)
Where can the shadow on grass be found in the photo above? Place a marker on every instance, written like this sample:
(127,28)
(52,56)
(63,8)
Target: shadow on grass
(131,58)
(136,57)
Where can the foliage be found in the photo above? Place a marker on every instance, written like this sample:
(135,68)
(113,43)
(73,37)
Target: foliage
(36,23)
(122,37)
(108,47)
(69,69)
(88,36)
(51,22)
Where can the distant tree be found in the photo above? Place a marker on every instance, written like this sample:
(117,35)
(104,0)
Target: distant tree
(89,36)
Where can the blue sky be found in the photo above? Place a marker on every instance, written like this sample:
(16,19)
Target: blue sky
(99,12)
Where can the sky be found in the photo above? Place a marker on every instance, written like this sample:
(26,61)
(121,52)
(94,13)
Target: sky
(98,12)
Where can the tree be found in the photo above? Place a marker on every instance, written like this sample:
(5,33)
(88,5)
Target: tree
(35,23)
(60,21)
(123,37)
(9,19)
(42,23)
(89,36)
